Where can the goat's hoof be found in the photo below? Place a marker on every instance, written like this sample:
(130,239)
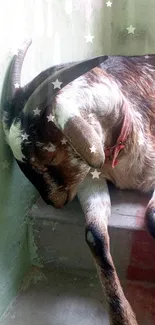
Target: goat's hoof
(150,218)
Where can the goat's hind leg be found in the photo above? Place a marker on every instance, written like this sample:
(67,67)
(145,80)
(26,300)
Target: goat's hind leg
(95,201)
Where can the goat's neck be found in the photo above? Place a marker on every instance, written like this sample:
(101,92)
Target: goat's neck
(115,124)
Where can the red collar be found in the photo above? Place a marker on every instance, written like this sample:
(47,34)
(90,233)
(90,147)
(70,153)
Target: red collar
(113,152)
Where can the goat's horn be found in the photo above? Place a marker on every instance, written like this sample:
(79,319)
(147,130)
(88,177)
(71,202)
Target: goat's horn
(44,93)
(33,84)
(14,75)
(15,70)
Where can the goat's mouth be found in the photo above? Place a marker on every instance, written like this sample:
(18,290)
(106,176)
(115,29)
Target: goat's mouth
(60,199)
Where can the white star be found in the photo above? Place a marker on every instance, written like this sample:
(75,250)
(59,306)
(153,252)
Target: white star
(95,174)
(16,85)
(146,56)
(5,164)
(131,29)
(90,115)
(25,136)
(50,147)
(50,118)
(89,38)
(93,149)
(37,111)
(57,84)
(141,142)
(109,4)
(63,141)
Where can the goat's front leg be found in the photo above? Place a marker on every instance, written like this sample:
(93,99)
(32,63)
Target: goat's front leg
(95,201)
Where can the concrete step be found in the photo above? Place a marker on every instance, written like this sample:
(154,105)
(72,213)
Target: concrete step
(66,298)
(56,237)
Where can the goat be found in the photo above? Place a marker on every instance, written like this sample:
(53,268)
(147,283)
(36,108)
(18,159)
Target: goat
(77,125)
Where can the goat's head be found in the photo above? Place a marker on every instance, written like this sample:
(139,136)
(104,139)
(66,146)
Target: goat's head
(50,143)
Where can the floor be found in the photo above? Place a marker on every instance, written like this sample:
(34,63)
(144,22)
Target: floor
(61,297)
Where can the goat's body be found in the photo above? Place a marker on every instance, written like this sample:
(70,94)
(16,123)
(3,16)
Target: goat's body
(57,136)
(136,75)
(102,94)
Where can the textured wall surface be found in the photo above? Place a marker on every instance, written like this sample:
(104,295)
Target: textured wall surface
(61,30)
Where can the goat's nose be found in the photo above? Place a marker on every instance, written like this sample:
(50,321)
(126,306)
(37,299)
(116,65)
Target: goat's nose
(58,206)
(61,205)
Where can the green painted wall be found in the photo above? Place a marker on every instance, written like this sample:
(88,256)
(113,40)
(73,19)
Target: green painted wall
(58,29)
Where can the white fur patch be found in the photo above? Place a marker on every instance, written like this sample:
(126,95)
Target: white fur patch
(94,198)
(90,237)
(79,97)
(64,110)
(14,140)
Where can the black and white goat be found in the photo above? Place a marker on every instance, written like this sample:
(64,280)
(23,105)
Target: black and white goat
(76,125)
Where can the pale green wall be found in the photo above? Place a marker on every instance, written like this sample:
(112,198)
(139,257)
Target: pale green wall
(58,29)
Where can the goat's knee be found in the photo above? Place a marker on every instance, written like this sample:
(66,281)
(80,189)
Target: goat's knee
(98,242)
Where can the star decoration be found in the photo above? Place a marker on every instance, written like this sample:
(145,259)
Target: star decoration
(109,3)
(140,142)
(16,85)
(89,38)
(50,147)
(146,56)
(37,111)
(64,141)
(95,174)
(25,136)
(131,29)
(90,115)
(50,118)
(57,84)
(5,164)
(93,149)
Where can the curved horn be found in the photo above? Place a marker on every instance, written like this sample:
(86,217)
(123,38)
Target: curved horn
(33,84)
(11,85)
(13,78)
(44,93)
(15,70)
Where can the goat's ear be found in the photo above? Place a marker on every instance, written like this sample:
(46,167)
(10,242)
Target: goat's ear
(85,141)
